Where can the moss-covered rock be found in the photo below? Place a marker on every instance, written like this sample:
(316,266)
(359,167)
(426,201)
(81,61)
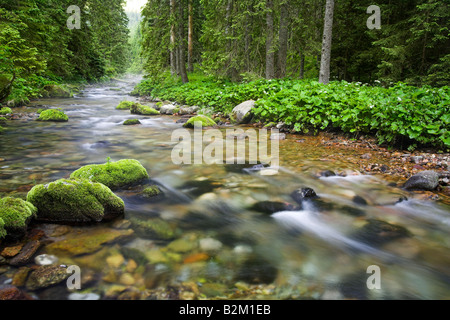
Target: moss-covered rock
(140,109)
(114,175)
(16,214)
(131,122)
(5,110)
(46,276)
(204,121)
(151,192)
(53,115)
(57,91)
(75,201)
(125,105)
(155,228)
(89,241)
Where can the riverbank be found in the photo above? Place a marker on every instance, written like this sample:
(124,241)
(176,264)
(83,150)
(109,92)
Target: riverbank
(400,116)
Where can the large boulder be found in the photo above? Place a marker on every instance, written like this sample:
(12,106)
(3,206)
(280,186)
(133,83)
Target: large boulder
(425,180)
(242,113)
(15,214)
(114,175)
(203,121)
(69,201)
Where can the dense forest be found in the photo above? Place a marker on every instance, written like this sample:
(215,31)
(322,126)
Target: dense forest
(280,38)
(37,47)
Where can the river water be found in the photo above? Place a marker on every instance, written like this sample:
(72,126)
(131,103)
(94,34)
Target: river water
(222,246)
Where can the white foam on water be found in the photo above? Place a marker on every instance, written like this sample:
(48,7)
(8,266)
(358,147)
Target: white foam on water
(424,210)
(308,221)
(349,178)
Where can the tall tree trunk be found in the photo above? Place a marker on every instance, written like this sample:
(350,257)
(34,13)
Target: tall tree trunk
(182,56)
(247,39)
(173,54)
(270,54)
(302,65)
(282,53)
(324,76)
(190,37)
(232,73)
(424,48)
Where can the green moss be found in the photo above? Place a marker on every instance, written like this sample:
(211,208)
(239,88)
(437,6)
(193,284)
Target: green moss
(151,191)
(16,214)
(124,105)
(75,201)
(270,125)
(3,120)
(5,110)
(40,111)
(1,129)
(137,108)
(155,228)
(204,121)
(159,104)
(113,174)
(53,115)
(131,122)
(2,229)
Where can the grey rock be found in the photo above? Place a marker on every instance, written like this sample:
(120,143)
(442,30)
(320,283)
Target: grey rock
(169,109)
(416,159)
(425,180)
(242,112)
(188,110)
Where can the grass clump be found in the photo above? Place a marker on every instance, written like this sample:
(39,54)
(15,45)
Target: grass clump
(53,115)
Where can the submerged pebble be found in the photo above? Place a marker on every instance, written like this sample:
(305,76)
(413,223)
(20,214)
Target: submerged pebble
(45,260)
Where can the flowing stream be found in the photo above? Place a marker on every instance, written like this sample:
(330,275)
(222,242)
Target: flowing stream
(224,247)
